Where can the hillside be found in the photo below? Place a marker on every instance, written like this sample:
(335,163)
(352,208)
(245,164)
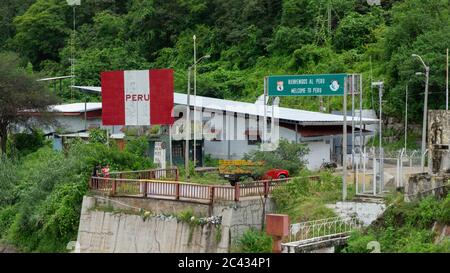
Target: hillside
(407,228)
(247,40)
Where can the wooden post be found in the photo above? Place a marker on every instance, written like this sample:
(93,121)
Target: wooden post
(236,191)
(211,194)
(113,191)
(145,189)
(266,188)
(176,174)
(177,191)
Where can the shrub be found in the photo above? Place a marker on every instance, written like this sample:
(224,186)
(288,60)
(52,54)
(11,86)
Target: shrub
(137,145)
(253,241)
(304,199)
(288,155)
(49,190)
(357,243)
(97,136)
(405,227)
(26,143)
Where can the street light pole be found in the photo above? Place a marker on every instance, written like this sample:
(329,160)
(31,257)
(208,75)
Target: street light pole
(188,120)
(188,126)
(406,115)
(195,101)
(380,153)
(425,109)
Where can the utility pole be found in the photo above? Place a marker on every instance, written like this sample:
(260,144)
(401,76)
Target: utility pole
(188,126)
(73,3)
(329,18)
(344,144)
(380,153)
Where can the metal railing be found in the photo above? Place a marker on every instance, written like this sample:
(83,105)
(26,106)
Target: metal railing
(370,166)
(165,174)
(148,188)
(316,229)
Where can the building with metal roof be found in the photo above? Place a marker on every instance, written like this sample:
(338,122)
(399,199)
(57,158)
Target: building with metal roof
(321,132)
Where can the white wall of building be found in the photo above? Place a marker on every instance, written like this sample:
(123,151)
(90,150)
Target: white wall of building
(319,151)
(76,123)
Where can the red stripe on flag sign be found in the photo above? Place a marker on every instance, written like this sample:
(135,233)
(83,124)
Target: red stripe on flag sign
(113,99)
(161,96)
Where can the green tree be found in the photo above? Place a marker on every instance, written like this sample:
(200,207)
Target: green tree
(41,31)
(10,9)
(20,93)
(288,155)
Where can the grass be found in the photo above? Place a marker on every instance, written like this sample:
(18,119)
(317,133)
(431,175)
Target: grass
(406,227)
(206,179)
(304,199)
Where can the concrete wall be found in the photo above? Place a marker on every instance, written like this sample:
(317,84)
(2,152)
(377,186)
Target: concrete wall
(118,230)
(365,212)
(240,216)
(103,231)
(422,184)
(157,206)
(319,151)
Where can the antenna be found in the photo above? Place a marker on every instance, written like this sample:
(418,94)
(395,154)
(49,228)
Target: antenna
(73,3)
(329,18)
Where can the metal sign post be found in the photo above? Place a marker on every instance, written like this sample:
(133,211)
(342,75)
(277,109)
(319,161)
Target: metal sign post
(265,112)
(344,145)
(312,85)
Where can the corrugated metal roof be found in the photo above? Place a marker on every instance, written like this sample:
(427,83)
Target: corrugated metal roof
(299,116)
(76,107)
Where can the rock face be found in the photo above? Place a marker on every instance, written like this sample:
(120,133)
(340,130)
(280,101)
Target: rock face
(442,232)
(423,184)
(118,231)
(4,248)
(366,212)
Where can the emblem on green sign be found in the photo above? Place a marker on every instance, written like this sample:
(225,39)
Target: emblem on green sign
(306,85)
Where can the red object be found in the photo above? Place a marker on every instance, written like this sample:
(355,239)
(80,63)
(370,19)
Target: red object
(277,225)
(137,97)
(276,174)
(161,96)
(113,99)
(105,172)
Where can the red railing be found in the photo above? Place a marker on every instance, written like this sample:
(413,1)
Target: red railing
(148,188)
(160,174)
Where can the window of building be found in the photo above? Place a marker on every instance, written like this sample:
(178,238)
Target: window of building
(177,151)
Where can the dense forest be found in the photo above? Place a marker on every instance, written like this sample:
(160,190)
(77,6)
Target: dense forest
(247,40)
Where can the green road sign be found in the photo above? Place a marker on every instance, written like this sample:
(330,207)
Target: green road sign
(306,85)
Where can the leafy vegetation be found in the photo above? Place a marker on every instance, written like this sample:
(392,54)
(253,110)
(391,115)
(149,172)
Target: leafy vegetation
(254,241)
(247,40)
(288,156)
(24,143)
(406,227)
(41,194)
(20,94)
(304,199)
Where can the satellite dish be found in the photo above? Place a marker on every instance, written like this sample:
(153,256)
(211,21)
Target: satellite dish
(73,2)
